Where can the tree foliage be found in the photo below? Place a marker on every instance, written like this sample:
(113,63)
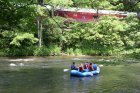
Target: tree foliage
(61,3)
(124,5)
(23,39)
(18,28)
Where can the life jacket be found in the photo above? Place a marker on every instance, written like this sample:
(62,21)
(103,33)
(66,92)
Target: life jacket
(73,67)
(90,67)
(85,66)
(81,69)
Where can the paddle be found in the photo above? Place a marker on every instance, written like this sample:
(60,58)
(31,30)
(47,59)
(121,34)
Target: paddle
(65,70)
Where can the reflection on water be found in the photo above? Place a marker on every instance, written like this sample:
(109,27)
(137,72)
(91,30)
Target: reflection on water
(82,84)
(46,75)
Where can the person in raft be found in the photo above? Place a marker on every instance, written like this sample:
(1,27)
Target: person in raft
(90,67)
(81,68)
(73,66)
(86,65)
(94,66)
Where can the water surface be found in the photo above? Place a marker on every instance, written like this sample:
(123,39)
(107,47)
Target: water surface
(46,75)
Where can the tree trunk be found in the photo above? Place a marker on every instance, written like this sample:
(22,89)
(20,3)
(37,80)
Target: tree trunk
(39,25)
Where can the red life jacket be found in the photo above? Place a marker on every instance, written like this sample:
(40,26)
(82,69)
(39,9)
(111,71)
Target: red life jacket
(90,67)
(81,69)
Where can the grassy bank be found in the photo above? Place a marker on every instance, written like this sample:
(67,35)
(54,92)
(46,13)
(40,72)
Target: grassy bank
(123,57)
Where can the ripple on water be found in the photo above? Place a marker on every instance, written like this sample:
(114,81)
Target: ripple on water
(46,75)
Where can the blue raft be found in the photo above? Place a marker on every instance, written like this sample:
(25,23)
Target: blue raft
(97,71)
(84,74)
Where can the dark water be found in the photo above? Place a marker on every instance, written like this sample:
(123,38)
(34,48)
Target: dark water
(46,75)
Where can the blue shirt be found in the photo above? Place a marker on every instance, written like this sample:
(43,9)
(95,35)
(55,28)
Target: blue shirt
(94,66)
(73,66)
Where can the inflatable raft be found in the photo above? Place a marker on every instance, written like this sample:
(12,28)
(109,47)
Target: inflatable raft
(84,74)
(97,71)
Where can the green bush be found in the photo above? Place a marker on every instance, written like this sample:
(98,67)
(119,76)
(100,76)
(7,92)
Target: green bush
(46,51)
(87,51)
(2,53)
(55,50)
(78,51)
(136,54)
(21,51)
(70,51)
(41,51)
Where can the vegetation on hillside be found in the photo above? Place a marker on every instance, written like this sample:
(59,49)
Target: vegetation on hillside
(19,34)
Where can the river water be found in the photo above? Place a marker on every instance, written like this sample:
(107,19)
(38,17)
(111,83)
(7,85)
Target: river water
(46,75)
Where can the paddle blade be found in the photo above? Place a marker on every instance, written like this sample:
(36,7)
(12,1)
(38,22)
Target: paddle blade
(65,70)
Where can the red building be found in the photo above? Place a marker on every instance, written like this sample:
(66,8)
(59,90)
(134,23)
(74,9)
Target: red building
(86,15)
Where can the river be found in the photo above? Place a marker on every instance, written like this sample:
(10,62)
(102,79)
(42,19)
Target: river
(46,75)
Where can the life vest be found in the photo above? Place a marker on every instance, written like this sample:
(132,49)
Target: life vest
(81,69)
(90,67)
(73,67)
(86,66)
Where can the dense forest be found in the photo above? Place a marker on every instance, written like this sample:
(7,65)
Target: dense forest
(28,29)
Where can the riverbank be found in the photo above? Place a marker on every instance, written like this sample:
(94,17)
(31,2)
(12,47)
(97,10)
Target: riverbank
(100,60)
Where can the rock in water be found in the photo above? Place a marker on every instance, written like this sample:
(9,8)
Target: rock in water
(12,64)
(21,64)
